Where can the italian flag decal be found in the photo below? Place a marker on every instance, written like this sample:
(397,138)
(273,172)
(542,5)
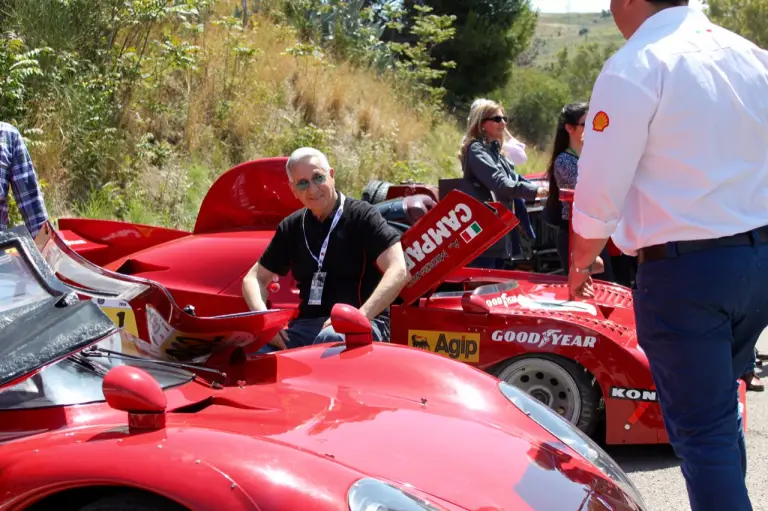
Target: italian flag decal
(471,231)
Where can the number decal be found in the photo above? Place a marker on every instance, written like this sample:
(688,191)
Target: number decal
(121,314)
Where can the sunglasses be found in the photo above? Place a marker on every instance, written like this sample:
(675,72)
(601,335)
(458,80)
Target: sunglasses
(303,184)
(497,118)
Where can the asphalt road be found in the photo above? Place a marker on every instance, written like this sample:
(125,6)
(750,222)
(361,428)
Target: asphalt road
(655,470)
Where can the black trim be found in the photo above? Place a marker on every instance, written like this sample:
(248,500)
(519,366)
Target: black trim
(42,333)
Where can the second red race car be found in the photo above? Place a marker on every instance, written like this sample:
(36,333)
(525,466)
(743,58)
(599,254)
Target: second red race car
(581,358)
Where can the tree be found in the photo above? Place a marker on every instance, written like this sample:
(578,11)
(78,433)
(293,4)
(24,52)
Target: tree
(748,18)
(533,100)
(490,34)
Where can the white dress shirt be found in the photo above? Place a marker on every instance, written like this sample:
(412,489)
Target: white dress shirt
(676,139)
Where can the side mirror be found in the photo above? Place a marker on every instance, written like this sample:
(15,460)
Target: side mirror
(349,321)
(135,391)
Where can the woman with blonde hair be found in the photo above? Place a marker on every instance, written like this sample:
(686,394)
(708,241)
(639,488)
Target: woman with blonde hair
(490,176)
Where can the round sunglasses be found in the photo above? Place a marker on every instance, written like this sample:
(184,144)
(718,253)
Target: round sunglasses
(303,184)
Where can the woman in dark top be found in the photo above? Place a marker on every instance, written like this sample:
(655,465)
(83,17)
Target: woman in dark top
(490,176)
(563,172)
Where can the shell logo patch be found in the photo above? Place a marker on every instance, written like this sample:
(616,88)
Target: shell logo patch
(601,121)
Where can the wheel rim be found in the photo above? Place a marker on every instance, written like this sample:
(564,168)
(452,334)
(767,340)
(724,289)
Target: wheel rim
(547,382)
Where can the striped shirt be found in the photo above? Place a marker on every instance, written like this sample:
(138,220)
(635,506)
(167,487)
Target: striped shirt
(17,171)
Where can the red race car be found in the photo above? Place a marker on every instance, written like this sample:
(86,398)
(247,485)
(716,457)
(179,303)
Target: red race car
(89,424)
(579,358)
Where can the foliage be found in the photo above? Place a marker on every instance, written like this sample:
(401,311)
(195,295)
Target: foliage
(132,108)
(748,18)
(490,34)
(534,100)
(580,67)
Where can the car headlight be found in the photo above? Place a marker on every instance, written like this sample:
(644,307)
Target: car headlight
(571,436)
(374,495)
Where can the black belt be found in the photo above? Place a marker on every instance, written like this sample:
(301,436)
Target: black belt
(671,249)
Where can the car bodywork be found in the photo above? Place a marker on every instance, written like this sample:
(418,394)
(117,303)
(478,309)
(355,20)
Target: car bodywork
(580,358)
(86,423)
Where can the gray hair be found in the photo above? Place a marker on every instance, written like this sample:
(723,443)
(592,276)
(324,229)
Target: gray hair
(303,154)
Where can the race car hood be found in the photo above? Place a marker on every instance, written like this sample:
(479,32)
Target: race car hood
(507,461)
(40,321)
(453,233)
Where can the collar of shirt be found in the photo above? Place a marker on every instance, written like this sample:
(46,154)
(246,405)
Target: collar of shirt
(665,17)
(313,221)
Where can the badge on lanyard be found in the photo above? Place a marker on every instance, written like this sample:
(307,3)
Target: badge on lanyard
(318,279)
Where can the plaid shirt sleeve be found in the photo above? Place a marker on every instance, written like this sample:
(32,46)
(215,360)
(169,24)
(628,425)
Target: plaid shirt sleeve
(24,183)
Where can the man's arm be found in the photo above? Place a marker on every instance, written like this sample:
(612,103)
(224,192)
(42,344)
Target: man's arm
(26,189)
(615,137)
(274,261)
(255,287)
(395,277)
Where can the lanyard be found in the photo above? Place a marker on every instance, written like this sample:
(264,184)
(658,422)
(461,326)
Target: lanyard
(324,248)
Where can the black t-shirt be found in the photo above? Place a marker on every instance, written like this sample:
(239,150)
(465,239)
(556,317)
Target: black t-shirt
(358,239)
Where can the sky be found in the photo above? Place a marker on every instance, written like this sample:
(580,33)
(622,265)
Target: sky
(582,5)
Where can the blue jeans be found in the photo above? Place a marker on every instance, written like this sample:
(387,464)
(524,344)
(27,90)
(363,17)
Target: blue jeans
(699,316)
(305,331)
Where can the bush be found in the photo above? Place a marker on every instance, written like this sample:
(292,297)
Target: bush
(533,100)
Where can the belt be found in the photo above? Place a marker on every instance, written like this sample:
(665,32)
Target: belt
(675,248)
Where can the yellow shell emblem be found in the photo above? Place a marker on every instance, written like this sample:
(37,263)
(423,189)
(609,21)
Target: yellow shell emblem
(601,121)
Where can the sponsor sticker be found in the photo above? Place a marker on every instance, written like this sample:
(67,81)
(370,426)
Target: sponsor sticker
(645,395)
(553,336)
(601,121)
(463,346)
(159,329)
(535,303)
(471,231)
(442,231)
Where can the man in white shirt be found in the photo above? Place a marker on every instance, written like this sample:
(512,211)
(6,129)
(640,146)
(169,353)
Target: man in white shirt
(675,169)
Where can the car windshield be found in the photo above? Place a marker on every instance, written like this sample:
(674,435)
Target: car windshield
(18,285)
(84,277)
(78,380)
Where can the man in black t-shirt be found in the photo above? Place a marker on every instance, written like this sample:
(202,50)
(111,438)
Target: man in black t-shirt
(339,249)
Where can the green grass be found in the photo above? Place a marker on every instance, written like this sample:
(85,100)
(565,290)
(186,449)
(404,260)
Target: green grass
(560,30)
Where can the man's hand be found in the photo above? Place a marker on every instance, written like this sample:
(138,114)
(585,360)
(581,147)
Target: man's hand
(580,285)
(327,323)
(542,192)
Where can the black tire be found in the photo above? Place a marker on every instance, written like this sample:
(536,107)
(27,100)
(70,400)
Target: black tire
(376,191)
(588,389)
(132,501)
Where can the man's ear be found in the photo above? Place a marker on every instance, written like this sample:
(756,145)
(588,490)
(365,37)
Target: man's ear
(332,172)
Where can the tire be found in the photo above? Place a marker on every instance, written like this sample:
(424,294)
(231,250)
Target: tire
(562,384)
(376,191)
(132,501)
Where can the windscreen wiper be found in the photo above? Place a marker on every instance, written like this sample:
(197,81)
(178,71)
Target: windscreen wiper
(81,360)
(98,351)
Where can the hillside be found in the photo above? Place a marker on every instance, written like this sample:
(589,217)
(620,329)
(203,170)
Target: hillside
(560,30)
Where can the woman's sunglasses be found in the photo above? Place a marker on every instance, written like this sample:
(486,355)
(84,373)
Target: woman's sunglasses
(303,184)
(497,118)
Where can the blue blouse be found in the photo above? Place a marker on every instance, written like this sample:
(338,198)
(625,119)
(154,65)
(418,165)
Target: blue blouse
(566,172)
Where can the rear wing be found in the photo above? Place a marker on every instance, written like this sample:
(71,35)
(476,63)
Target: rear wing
(457,230)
